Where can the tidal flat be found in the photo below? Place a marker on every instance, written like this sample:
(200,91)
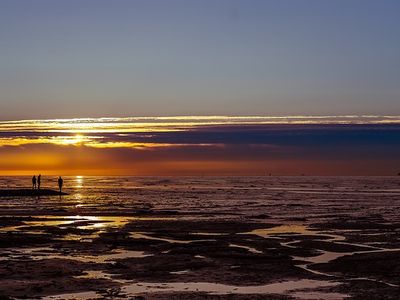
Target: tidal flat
(203,238)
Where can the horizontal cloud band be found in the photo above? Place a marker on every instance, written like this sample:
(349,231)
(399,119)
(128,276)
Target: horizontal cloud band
(223,145)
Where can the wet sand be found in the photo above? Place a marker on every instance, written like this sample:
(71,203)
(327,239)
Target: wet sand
(265,241)
(29,192)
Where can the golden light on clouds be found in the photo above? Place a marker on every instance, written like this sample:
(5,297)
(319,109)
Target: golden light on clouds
(87,141)
(56,140)
(198,145)
(89,131)
(168,124)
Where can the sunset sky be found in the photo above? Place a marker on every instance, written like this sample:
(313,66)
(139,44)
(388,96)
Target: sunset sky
(202,146)
(93,87)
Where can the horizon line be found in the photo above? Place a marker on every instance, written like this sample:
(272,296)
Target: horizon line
(290,119)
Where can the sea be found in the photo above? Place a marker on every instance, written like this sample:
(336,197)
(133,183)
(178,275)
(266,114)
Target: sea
(281,198)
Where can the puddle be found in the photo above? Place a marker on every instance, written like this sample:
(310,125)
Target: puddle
(33,253)
(95,275)
(98,223)
(302,289)
(138,235)
(282,229)
(50,253)
(328,256)
(323,258)
(119,254)
(289,244)
(250,249)
(180,272)
(306,267)
(319,296)
(74,296)
(208,233)
(221,289)
(375,280)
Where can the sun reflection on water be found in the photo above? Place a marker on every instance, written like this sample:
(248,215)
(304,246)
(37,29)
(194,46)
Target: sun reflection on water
(79,182)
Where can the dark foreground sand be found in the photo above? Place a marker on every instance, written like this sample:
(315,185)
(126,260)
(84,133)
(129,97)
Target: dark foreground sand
(173,254)
(29,192)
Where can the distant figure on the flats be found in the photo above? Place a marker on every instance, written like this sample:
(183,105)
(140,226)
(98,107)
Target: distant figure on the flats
(34,182)
(60,183)
(38,181)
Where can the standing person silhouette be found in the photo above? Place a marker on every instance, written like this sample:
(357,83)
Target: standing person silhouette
(33,182)
(60,183)
(38,181)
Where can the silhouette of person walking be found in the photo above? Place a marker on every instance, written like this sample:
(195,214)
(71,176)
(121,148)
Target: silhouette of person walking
(60,183)
(38,181)
(33,182)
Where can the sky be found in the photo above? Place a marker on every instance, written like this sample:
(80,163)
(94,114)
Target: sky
(221,87)
(99,58)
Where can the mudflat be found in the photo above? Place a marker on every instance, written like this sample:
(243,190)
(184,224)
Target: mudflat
(205,238)
(29,193)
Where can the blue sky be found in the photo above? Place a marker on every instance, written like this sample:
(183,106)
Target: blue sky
(153,58)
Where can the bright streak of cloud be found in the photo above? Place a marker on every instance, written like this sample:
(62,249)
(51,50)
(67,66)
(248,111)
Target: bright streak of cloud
(168,124)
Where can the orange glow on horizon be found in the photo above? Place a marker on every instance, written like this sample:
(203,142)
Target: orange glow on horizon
(182,146)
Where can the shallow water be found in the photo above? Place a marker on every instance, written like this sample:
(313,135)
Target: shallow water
(40,253)
(100,205)
(229,196)
(220,289)
(293,288)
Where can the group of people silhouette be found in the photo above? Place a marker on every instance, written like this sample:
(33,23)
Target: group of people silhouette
(36,182)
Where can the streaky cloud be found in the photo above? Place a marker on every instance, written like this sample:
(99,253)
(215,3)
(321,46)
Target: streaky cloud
(179,123)
(214,145)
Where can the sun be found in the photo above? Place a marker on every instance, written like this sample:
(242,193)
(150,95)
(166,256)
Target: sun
(77,140)
(79,181)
